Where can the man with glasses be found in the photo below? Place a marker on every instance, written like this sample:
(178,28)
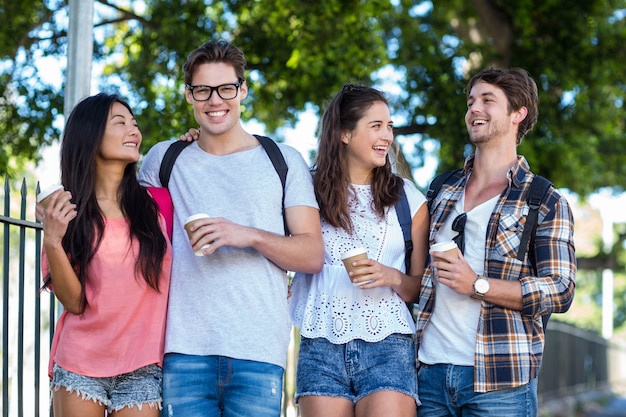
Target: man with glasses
(228,325)
(480,330)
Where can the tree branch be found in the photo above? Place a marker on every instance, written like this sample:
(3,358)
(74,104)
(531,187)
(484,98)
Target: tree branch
(497,26)
(605,260)
(26,40)
(410,129)
(594,263)
(125,15)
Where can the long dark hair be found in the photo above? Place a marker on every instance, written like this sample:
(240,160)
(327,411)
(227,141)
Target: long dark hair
(82,139)
(330,173)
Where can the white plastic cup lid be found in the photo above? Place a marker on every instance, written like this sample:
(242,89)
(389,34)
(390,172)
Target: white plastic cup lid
(196,217)
(443,246)
(45,193)
(353,252)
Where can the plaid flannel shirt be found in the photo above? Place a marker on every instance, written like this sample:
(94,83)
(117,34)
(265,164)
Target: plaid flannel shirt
(509,343)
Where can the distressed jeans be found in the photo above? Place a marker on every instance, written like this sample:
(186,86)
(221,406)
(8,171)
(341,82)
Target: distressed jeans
(448,390)
(219,386)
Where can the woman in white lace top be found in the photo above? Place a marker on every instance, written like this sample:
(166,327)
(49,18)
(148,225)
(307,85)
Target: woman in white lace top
(357,354)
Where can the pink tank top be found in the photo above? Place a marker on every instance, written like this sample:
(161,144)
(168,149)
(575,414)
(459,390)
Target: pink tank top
(123,325)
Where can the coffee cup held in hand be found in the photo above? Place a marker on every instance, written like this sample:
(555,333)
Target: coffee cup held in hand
(188,222)
(351,256)
(448,246)
(44,197)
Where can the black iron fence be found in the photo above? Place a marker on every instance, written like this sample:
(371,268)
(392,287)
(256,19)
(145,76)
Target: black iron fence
(574,361)
(27,318)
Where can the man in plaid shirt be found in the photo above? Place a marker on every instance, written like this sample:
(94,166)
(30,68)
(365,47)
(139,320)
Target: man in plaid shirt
(480,329)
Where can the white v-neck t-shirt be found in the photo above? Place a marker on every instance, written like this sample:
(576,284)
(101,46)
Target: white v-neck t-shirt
(450,335)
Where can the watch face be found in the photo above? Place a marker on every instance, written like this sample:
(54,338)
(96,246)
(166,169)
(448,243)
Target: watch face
(481,285)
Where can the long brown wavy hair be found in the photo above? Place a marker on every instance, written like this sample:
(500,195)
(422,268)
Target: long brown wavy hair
(330,172)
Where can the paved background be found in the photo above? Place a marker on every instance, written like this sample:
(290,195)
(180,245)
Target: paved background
(606,403)
(615,406)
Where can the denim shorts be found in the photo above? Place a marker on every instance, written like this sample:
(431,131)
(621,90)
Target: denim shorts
(136,388)
(358,368)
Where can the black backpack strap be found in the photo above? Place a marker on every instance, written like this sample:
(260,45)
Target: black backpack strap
(404,217)
(537,191)
(169,159)
(438,182)
(403,211)
(276,156)
(270,147)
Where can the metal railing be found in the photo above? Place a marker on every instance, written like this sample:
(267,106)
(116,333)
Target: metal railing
(27,318)
(577,361)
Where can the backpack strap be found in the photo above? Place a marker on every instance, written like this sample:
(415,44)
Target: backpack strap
(270,147)
(438,182)
(169,159)
(403,212)
(276,156)
(536,193)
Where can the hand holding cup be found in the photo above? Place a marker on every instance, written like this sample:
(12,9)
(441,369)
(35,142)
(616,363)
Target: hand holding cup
(189,222)
(43,200)
(45,196)
(448,246)
(349,257)
(57,215)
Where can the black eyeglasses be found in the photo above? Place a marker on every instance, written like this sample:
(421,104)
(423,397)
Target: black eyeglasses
(224,91)
(458,225)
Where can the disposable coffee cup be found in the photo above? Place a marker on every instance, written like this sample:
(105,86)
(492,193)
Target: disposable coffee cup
(448,246)
(351,256)
(188,223)
(44,197)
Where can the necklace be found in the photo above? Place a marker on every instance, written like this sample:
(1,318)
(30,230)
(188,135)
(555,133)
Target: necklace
(359,210)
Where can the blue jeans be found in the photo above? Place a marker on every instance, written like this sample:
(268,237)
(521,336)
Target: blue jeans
(448,390)
(218,386)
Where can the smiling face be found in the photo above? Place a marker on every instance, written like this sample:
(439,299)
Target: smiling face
(368,143)
(216,116)
(122,137)
(488,117)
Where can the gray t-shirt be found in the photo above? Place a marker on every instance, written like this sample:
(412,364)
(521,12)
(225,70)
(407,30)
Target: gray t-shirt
(233,302)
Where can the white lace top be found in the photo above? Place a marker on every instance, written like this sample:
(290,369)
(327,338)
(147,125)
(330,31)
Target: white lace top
(328,305)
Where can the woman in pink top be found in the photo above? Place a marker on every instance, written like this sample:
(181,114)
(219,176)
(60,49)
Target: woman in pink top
(108,260)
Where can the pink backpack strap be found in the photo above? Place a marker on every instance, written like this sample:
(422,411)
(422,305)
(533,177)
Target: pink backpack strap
(163,199)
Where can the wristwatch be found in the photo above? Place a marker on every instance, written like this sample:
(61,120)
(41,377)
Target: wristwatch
(481,286)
